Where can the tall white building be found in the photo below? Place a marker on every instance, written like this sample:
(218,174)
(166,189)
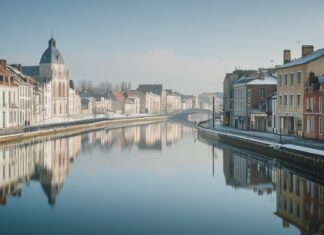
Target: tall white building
(51,67)
(53,81)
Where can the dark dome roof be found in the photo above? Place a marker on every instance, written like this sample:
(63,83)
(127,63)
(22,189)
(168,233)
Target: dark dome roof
(51,55)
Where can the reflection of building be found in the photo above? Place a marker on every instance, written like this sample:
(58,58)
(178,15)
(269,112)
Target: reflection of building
(152,136)
(46,161)
(300,202)
(242,172)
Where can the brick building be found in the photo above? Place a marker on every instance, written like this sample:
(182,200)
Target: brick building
(313,109)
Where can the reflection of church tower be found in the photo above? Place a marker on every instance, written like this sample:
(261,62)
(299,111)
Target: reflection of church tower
(51,68)
(53,174)
(50,189)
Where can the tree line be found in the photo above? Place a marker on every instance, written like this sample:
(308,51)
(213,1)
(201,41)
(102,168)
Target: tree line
(104,86)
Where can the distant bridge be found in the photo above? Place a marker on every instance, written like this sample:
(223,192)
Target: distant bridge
(183,115)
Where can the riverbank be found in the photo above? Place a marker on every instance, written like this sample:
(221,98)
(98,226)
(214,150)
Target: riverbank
(75,127)
(299,150)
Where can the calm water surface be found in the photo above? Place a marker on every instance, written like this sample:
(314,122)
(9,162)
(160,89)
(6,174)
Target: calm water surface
(153,179)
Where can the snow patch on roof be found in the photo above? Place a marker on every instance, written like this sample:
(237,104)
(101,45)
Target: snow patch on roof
(268,80)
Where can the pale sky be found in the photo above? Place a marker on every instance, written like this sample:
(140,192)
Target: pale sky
(186,45)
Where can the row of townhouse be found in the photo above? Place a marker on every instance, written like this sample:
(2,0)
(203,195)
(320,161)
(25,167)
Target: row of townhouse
(246,99)
(19,97)
(286,100)
(146,99)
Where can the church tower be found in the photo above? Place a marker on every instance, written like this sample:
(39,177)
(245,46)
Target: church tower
(52,70)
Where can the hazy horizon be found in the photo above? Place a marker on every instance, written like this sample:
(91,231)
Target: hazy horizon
(187,46)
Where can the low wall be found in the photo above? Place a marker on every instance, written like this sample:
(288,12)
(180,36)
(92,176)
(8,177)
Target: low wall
(303,159)
(77,128)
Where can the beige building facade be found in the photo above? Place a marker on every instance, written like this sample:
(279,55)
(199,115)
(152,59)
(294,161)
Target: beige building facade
(292,79)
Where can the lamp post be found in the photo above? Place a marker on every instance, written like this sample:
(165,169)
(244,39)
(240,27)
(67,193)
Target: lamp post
(280,134)
(213,112)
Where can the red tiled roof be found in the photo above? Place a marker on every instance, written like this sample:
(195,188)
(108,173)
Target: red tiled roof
(119,96)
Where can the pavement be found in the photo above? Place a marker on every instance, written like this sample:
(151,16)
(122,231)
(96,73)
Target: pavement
(270,137)
(64,121)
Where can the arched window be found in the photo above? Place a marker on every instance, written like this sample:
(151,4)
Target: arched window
(60,109)
(63,90)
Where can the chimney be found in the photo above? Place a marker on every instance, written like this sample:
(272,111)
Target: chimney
(286,56)
(3,64)
(307,49)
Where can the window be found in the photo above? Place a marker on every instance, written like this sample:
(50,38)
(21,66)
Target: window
(298,77)
(286,79)
(320,105)
(307,104)
(280,100)
(59,90)
(280,79)
(261,93)
(308,125)
(291,79)
(291,100)
(320,125)
(285,100)
(298,100)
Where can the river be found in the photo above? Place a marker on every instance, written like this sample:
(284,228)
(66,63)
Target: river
(161,178)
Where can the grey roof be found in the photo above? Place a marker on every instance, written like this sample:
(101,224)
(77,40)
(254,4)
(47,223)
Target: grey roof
(30,70)
(51,54)
(156,88)
(303,60)
(95,94)
(244,80)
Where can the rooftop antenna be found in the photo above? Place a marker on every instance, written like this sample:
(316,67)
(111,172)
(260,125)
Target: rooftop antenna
(52,34)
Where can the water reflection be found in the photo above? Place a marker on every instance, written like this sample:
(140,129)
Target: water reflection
(299,201)
(129,182)
(240,171)
(48,161)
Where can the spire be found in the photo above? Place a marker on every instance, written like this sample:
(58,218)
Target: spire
(52,42)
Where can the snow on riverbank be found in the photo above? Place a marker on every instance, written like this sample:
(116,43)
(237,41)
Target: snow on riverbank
(304,149)
(86,117)
(270,143)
